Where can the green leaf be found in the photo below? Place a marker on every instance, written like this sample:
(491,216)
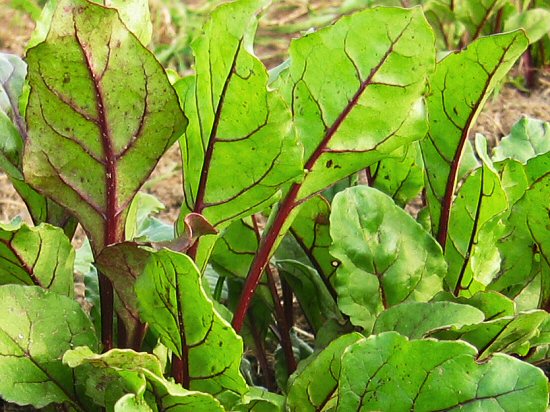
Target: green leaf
(493,304)
(535,22)
(400,175)
(416,319)
(101,112)
(260,400)
(525,248)
(389,373)
(122,264)
(312,294)
(356,91)
(171,298)
(40,256)
(527,139)
(476,15)
(236,123)
(474,228)
(386,256)
(310,228)
(13,133)
(135,15)
(460,86)
(505,334)
(313,386)
(141,225)
(36,328)
(119,372)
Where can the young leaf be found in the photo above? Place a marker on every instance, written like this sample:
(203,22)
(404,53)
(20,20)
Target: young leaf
(40,256)
(101,112)
(505,334)
(416,319)
(119,372)
(400,175)
(313,386)
(460,86)
(236,123)
(355,89)
(386,256)
(36,328)
(525,247)
(389,373)
(171,298)
(474,228)
(122,264)
(527,139)
(311,231)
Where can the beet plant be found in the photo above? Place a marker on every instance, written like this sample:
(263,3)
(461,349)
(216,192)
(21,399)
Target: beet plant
(298,186)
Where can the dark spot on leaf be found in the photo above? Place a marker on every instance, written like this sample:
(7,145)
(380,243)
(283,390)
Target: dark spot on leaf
(328,163)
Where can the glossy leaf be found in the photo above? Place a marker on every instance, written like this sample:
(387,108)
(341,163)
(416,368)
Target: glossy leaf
(505,334)
(314,385)
(460,86)
(345,80)
(36,328)
(101,112)
(171,298)
(527,139)
(40,256)
(474,228)
(417,319)
(389,373)
(236,123)
(493,304)
(386,256)
(400,175)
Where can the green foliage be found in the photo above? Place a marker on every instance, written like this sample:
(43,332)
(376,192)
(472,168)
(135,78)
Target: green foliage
(297,182)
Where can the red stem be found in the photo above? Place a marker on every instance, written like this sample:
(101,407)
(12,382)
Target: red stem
(288,303)
(261,355)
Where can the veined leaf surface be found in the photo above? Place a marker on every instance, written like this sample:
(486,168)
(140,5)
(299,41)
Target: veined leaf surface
(389,373)
(171,298)
(460,86)
(355,90)
(101,112)
(386,256)
(36,328)
(239,148)
(40,256)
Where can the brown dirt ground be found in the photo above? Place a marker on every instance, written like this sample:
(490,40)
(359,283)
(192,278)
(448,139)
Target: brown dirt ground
(495,121)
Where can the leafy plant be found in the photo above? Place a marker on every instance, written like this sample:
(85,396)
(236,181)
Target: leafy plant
(297,184)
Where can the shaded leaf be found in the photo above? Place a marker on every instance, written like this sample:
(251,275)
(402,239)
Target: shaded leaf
(527,139)
(313,386)
(389,373)
(40,256)
(142,225)
(386,256)
(260,400)
(493,304)
(416,319)
(123,263)
(400,175)
(171,298)
(476,15)
(535,22)
(101,112)
(313,296)
(36,328)
(460,86)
